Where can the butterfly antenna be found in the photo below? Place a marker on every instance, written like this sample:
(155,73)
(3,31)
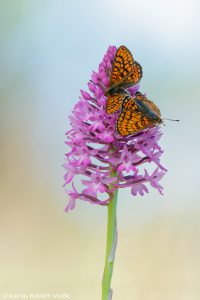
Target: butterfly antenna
(171,120)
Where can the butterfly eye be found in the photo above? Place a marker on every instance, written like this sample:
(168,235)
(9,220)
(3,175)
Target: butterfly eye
(138,95)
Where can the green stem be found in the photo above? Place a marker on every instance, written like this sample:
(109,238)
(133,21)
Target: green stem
(110,247)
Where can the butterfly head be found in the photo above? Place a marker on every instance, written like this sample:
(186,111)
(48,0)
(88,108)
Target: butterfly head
(139,96)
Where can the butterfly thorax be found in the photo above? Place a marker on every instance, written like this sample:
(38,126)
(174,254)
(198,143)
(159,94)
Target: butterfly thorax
(116,90)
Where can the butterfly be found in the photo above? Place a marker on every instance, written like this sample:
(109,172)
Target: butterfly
(137,114)
(125,73)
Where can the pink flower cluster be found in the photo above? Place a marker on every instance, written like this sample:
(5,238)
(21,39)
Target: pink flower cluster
(101,159)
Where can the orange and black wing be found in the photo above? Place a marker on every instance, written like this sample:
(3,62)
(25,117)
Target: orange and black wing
(114,103)
(137,73)
(125,71)
(131,120)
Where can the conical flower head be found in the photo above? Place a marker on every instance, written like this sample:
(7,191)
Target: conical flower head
(101,159)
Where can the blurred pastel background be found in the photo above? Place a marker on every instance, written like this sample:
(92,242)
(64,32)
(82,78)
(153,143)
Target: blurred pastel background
(48,50)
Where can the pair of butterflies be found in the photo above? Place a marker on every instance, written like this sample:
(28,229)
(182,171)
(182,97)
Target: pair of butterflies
(138,112)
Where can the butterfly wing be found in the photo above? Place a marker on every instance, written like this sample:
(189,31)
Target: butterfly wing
(114,103)
(132,120)
(137,73)
(125,71)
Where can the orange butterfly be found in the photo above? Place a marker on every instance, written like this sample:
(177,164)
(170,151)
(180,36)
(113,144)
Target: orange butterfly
(137,113)
(125,73)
